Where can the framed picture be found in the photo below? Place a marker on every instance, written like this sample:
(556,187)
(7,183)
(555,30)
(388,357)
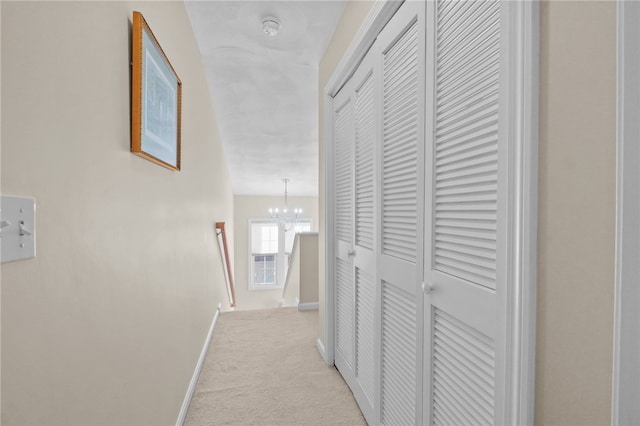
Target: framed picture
(156,100)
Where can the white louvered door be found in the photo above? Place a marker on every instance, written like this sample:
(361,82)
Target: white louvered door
(355,149)
(366,118)
(434,138)
(401,194)
(343,236)
(465,213)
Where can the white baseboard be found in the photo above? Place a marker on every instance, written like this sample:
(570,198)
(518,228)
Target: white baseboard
(320,348)
(194,379)
(313,306)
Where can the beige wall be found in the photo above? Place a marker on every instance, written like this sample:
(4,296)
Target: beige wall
(106,324)
(354,15)
(576,205)
(257,207)
(291,292)
(302,277)
(309,269)
(576,212)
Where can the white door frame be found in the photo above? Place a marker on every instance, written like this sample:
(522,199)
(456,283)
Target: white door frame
(522,267)
(521,316)
(626,354)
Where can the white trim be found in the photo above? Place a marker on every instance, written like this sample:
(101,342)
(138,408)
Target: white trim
(311,306)
(626,350)
(524,268)
(380,13)
(320,348)
(194,379)
(329,284)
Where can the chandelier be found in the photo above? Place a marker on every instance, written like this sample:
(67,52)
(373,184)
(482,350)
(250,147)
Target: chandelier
(284,218)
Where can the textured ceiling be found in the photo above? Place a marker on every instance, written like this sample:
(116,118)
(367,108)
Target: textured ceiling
(265,89)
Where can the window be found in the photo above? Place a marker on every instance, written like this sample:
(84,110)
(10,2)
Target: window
(270,249)
(264,270)
(264,253)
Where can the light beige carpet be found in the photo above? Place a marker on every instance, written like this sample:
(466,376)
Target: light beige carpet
(263,368)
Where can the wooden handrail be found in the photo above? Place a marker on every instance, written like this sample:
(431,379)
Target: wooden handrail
(229,277)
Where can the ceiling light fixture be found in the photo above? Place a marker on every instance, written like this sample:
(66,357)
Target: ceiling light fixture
(284,218)
(270,26)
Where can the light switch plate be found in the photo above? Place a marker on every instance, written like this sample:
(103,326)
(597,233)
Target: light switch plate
(18,228)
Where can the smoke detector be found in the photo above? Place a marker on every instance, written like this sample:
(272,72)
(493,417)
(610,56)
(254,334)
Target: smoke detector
(270,26)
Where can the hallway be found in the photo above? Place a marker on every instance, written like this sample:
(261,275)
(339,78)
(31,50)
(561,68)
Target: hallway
(263,368)
(106,324)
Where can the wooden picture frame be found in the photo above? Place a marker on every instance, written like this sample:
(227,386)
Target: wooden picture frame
(156,100)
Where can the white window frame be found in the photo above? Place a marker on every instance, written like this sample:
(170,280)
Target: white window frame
(257,287)
(281,256)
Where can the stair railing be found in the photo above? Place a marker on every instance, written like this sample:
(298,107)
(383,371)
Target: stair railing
(224,252)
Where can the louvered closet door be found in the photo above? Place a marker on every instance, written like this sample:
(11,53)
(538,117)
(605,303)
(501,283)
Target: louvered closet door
(356,296)
(343,148)
(401,214)
(363,378)
(466,218)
